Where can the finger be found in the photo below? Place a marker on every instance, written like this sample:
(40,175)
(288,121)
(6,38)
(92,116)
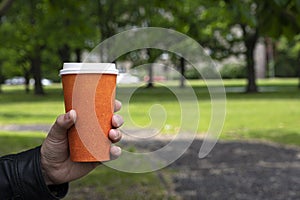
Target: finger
(54,147)
(117,106)
(62,124)
(117,121)
(115,152)
(114,135)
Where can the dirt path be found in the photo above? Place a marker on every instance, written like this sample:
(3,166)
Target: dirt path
(26,127)
(236,170)
(239,170)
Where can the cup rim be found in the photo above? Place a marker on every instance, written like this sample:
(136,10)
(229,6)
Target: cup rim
(88,68)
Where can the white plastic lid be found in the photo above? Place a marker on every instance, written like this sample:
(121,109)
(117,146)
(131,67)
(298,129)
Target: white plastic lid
(89,68)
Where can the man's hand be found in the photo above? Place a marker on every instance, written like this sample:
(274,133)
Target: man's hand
(55,159)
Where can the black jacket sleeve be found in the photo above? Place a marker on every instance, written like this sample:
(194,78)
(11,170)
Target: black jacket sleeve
(21,178)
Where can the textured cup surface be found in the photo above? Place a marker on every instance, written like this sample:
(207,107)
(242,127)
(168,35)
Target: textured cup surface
(91,93)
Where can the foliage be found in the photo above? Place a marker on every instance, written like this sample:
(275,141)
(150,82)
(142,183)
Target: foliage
(285,18)
(233,71)
(192,74)
(287,57)
(286,66)
(54,32)
(42,34)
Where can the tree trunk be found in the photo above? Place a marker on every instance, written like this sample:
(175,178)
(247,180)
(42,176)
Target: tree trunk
(269,57)
(251,87)
(150,69)
(64,53)
(27,80)
(299,69)
(78,55)
(4,6)
(299,78)
(150,74)
(37,73)
(1,78)
(182,71)
(250,42)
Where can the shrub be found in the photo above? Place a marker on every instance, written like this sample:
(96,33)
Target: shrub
(207,72)
(286,67)
(233,70)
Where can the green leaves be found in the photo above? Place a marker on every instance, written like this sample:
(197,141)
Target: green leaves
(281,3)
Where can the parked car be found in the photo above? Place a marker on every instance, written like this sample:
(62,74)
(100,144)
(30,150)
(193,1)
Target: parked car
(126,78)
(18,80)
(45,82)
(15,81)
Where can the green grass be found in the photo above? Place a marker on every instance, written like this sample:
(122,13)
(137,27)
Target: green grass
(111,184)
(17,107)
(14,142)
(273,114)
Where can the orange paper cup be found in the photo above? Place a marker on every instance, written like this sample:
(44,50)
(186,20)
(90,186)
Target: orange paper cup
(89,89)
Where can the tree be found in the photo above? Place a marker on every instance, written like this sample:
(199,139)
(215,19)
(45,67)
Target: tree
(39,30)
(4,6)
(285,23)
(127,14)
(233,27)
(238,34)
(262,19)
(25,36)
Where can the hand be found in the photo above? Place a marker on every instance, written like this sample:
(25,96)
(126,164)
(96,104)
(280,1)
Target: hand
(55,159)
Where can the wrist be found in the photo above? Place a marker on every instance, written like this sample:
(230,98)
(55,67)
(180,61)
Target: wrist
(45,175)
(45,170)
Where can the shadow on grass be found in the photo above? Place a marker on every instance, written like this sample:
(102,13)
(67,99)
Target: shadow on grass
(161,93)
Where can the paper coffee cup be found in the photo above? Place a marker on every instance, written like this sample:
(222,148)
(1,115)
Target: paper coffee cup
(89,89)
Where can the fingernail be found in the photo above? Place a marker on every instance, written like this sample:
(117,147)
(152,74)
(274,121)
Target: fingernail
(117,135)
(117,120)
(116,151)
(72,114)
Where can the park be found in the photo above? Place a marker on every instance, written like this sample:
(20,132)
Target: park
(273,123)
(257,155)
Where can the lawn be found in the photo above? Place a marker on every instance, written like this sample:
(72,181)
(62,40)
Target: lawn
(271,115)
(17,107)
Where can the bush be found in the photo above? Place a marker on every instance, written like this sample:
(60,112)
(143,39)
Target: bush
(286,67)
(233,70)
(192,74)
(207,72)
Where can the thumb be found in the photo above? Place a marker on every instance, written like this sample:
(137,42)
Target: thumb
(63,122)
(55,146)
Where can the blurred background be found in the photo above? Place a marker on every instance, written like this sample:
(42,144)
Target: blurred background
(255,45)
(249,39)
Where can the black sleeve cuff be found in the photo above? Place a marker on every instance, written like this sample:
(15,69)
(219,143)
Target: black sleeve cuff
(24,177)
